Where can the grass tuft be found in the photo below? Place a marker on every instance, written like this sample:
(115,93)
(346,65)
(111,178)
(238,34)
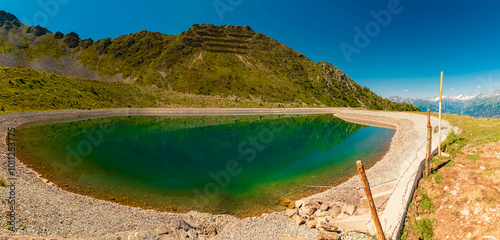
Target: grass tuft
(473,157)
(437,177)
(426,202)
(453,144)
(424,228)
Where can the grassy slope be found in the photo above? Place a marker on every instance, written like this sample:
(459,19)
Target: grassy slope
(474,132)
(29,90)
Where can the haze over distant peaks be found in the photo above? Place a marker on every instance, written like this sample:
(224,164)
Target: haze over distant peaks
(482,105)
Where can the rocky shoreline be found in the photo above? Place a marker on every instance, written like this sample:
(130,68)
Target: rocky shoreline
(45,211)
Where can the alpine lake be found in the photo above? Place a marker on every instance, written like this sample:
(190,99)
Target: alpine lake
(238,165)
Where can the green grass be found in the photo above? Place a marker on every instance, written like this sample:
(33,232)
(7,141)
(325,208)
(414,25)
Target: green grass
(450,163)
(437,177)
(46,46)
(25,90)
(472,133)
(437,160)
(473,157)
(453,144)
(424,228)
(425,202)
(6,47)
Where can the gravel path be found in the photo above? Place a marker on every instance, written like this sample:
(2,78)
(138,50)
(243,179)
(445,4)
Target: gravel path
(44,210)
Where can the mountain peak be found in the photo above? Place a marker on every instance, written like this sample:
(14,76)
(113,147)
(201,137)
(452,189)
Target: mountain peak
(8,20)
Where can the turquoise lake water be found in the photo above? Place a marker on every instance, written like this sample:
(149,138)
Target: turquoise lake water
(239,165)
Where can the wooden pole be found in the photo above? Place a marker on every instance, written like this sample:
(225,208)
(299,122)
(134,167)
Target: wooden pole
(429,142)
(368,192)
(440,103)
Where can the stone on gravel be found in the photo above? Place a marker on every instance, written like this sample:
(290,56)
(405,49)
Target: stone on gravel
(322,234)
(312,223)
(316,204)
(327,226)
(324,207)
(350,210)
(321,213)
(291,212)
(335,211)
(298,219)
(299,203)
(307,210)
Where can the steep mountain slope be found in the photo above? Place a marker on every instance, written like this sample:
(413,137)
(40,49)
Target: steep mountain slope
(206,60)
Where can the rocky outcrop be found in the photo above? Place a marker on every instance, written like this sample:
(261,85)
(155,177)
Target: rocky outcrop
(86,43)
(71,40)
(8,21)
(58,35)
(37,31)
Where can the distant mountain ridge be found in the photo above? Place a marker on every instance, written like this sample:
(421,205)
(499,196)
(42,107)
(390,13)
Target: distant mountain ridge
(204,60)
(484,105)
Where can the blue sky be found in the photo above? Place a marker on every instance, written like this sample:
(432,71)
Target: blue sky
(402,53)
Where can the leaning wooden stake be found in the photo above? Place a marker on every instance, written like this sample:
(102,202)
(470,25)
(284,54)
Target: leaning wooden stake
(429,142)
(368,193)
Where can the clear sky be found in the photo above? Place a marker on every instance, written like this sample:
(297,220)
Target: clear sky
(393,47)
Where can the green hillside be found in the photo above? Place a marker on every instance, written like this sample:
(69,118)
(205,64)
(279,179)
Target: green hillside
(28,90)
(206,60)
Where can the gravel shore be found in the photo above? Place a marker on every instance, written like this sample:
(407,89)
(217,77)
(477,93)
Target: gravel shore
(45,211)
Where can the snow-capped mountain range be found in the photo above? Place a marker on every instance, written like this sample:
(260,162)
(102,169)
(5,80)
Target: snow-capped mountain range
(483,105)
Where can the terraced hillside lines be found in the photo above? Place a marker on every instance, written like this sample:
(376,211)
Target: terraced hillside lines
(217,40)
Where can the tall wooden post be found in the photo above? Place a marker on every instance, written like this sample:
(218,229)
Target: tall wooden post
(369,197)
(440,103)
(429,143)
